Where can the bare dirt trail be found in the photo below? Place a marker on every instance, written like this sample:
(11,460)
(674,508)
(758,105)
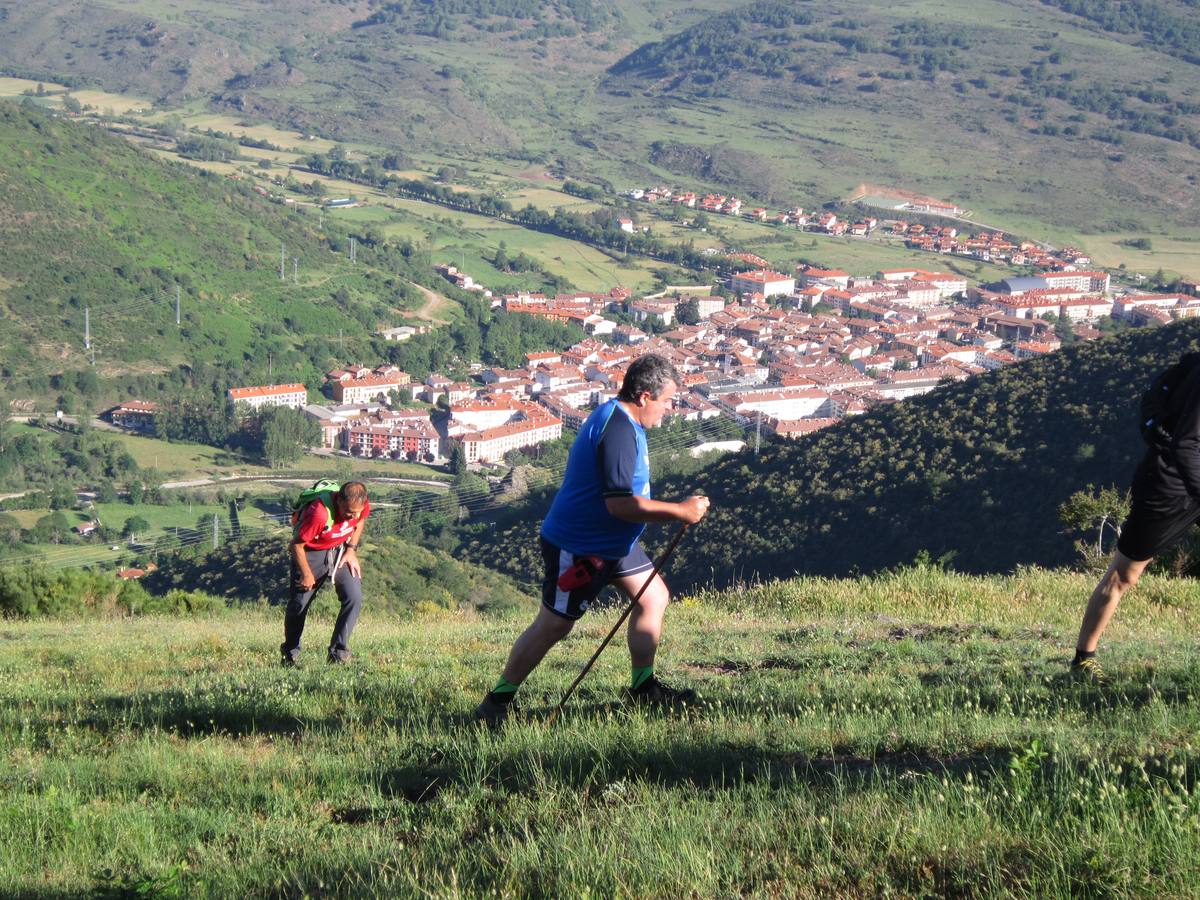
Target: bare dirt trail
(434,303)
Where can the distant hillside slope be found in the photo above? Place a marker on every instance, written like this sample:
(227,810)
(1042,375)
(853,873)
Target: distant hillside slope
(1069,111)
(977,469)
(88,221)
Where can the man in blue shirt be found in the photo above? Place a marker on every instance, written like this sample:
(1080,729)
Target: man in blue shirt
(590,537)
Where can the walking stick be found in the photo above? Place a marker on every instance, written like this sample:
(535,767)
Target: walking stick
(632,603)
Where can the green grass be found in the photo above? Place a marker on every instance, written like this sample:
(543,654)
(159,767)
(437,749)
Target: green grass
(911,734)
(181,460)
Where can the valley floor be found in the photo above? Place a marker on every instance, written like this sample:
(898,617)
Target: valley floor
(912,733)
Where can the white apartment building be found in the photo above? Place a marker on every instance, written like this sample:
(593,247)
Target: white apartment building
(294,396)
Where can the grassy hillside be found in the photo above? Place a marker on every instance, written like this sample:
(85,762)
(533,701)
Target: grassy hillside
(1086,123)
(910,735)
(89,221)
(909,99)
(115,247)
(976,470)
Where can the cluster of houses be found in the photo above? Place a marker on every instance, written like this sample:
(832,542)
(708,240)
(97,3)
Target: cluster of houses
(989,246)
(710,203)
(792,353)
(368,414)
(720,204)
(827,222)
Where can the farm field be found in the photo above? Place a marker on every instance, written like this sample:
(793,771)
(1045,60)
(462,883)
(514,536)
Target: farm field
(181,461)
(450,234)
(909,734)
(1176,255)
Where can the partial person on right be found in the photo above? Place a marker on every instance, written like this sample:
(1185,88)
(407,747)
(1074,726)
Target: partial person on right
(1165,495)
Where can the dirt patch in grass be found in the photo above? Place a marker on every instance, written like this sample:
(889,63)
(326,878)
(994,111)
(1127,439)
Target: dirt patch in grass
(535,174)
(950,633)
(734,667)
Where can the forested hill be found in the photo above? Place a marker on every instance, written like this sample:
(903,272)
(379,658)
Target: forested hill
(977,469)
(1080,114)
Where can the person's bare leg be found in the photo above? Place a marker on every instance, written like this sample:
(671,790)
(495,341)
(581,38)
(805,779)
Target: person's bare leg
(645,622)
(534,643)
(1123,573)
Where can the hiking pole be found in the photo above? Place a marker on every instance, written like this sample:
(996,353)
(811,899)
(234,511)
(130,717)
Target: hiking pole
(628,609)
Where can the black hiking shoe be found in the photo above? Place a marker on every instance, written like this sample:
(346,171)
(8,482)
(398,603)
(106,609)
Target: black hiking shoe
(653,692)
(286,659)
(337,657)
(492,714)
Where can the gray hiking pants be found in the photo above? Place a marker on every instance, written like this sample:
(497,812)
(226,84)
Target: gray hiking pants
(349,592)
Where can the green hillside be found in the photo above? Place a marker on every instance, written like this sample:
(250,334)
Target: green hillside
(399,575)
(976,470)
(1065,119)
(909,735)
(1045,130)
(91,225)
(88,221)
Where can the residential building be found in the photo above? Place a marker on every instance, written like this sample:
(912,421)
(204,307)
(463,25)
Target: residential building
(369,388)
(136,415)
(293,395)
(762,281)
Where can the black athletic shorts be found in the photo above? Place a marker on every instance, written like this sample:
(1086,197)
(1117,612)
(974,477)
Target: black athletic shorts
(1156,521)
(573,604)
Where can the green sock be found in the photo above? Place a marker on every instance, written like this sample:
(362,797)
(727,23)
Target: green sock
(641,674)
(504,687)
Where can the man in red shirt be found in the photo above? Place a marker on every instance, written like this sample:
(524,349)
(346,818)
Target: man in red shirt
(324,526)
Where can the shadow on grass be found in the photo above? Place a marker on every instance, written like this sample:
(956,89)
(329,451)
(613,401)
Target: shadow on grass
(701,764)
(187,715)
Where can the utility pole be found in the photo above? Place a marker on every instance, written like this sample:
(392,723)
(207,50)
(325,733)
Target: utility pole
(87,328)
(177,304)
(270,368)
(295,270)
(282,260)
(758,433)
(216,532)
(353,247)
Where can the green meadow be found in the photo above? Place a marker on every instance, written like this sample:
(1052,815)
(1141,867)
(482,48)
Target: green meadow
(909,734)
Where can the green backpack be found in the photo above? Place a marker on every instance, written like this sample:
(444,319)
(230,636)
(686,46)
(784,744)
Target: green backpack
(322,490)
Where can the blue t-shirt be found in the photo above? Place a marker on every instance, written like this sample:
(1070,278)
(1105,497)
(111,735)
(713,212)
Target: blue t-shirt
(608,459)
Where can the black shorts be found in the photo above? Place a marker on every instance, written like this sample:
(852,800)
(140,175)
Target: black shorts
(573,604)
(1156,521)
